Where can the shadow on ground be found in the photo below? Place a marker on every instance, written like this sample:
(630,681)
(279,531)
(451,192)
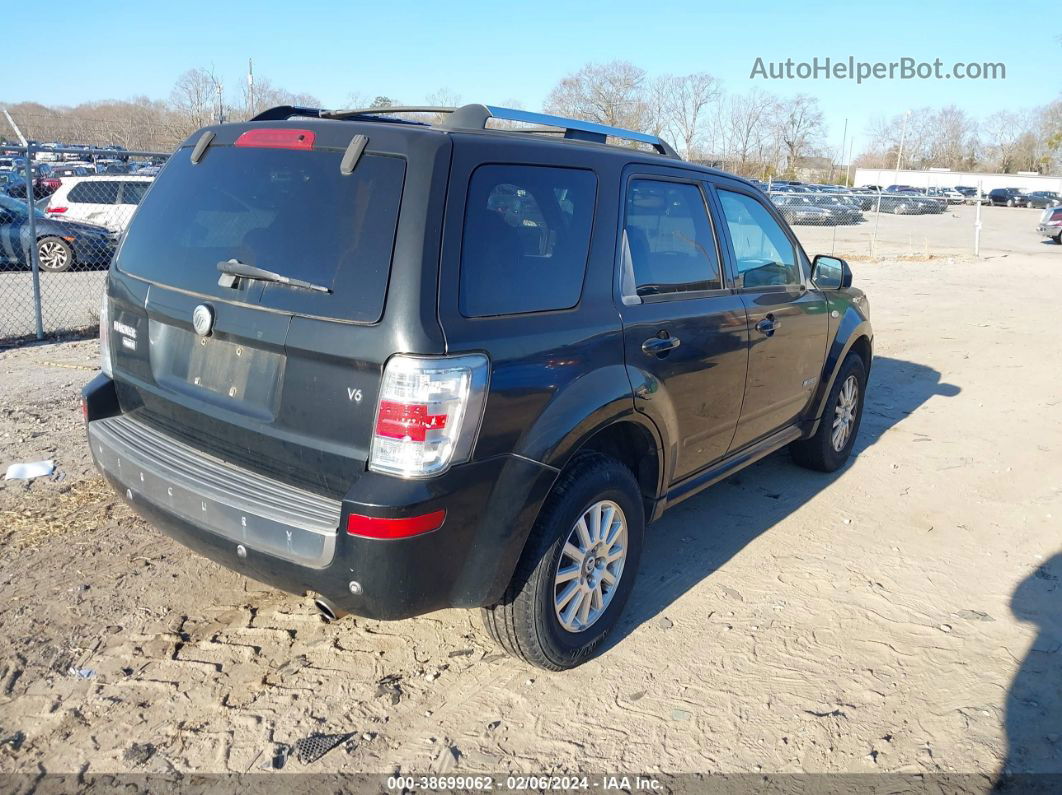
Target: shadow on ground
(698,537)
(1033,716)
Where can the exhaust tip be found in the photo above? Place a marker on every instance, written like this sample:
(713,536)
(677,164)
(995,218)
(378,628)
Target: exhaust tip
(328,611)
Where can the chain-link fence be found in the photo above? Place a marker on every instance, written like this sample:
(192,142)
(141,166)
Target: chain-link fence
(62,213)
(873,223)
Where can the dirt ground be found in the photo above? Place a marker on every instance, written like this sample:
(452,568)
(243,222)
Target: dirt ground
(901,615)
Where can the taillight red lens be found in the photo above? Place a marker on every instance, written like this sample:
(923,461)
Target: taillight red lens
(406,421)
(277,139)
(375,527)
(56,209)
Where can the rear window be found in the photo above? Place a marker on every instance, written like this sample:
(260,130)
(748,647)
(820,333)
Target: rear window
(291,212)
(526,239)
(94,192)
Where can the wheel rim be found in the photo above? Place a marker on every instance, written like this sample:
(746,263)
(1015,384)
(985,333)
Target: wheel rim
(844,412)
(52,255)
(590,566)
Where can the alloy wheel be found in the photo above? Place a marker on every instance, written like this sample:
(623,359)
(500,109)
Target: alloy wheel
(590,566)
(53,256)
(844,412)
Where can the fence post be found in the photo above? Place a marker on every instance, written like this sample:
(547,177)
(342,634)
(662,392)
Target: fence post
(34,262)
(977,223)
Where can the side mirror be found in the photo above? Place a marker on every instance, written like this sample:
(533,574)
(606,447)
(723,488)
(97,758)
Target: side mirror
(830,273)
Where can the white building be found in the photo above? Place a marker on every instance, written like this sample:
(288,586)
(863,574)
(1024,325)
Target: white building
(943,178)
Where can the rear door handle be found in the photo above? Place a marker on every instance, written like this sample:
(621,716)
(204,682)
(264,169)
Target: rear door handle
(655,346)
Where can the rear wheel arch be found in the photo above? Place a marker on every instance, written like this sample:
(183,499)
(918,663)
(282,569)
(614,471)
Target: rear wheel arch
(635,446)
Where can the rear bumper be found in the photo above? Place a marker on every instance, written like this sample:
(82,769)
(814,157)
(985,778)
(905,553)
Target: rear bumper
(296,541)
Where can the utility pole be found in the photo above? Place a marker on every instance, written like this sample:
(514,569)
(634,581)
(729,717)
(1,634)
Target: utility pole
(219,87)
(899,152)
(848,165)
(18,132)
(250,89)
(844,137)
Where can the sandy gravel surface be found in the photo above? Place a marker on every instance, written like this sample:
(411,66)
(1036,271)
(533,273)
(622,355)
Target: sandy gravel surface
(902,615)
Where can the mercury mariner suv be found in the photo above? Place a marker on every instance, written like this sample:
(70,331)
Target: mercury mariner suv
(402,365)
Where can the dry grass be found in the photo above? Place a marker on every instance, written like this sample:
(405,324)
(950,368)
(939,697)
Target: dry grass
(78,509)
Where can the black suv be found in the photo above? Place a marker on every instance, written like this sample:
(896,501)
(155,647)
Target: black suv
(1010,197)
(405,366)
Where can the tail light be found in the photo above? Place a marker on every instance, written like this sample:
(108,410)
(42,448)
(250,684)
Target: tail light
(56,210)
(105,336)
(428,414)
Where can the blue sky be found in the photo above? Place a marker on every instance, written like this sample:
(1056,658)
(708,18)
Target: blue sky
(494,51)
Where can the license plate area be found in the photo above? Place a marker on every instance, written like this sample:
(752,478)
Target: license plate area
(229,373)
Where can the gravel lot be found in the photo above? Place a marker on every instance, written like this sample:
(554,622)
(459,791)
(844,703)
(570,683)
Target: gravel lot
(901,615)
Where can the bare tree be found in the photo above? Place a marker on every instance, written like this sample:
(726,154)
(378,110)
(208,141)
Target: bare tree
(194,98)
(678,105)
(746,119)
(798,124)
(612,94)
(1002,131)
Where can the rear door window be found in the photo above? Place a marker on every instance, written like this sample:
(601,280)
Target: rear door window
(526,239)
(290,212)
(94,192)
(669,239)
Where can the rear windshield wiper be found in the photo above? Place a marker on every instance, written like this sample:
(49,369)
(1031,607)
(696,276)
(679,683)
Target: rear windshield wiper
(233,267)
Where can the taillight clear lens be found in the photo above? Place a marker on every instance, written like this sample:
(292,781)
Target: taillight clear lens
(428,414)
(105,336)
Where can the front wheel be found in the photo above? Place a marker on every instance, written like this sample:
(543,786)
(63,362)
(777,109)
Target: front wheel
(830,447)
(577,568)
(54,254)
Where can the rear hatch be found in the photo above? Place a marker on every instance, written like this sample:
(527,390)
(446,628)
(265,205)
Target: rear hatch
(284,382)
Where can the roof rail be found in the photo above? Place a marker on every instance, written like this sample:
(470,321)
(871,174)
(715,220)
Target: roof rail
(475,117)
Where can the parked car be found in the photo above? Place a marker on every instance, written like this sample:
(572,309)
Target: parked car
(61,245)
(970,195)
(13,163)
(846,210)
(801,210)
(1009,197)
(1042,199)
(102,200)
(949,195)
(44,184)
(71,170)
(339,359)
(1051,224)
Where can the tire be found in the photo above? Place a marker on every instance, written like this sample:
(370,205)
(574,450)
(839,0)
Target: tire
(820,451)
(54,254)
(1010,202)
(1058,238)
(525,623)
